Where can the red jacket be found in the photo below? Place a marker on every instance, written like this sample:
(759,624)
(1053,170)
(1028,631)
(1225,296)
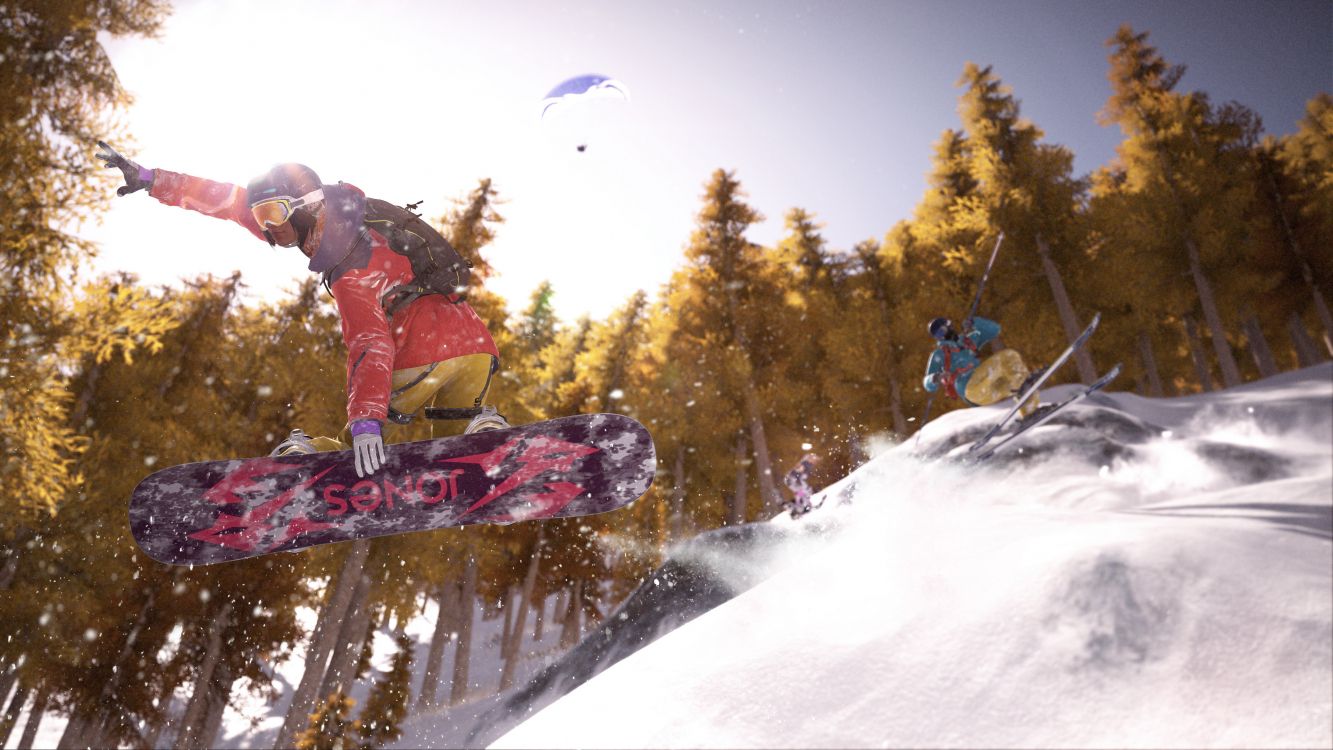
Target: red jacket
(430,329)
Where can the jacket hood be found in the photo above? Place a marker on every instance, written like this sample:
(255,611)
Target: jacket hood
(340,227)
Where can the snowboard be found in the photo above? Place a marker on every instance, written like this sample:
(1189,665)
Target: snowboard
(1046,412)
(219,511)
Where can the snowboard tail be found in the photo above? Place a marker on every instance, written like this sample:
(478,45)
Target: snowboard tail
(218,511)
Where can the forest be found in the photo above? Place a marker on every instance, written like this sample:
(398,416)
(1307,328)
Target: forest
(1205,245)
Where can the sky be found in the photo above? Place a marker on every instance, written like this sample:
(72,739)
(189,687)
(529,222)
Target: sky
(830,106)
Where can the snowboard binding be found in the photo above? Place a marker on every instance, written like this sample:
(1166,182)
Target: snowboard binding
(297,443)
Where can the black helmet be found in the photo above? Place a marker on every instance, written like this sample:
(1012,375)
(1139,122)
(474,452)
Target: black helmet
(278,195)
(282,181)
(940,328)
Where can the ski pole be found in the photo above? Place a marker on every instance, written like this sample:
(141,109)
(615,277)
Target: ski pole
(924,418)
(976,300)
(984,276)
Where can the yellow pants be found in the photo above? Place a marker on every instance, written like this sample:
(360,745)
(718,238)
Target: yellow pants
(454,383)
(997,378)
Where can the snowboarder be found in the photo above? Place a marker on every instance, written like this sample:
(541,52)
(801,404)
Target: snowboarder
(798,481)
(428,349)
(956,365)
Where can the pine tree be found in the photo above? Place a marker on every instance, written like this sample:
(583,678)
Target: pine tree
(1183,162)
(1025,189)
(936,260)
(57,95)
(386,707)
(1298,172)
(695,401)
(329,726)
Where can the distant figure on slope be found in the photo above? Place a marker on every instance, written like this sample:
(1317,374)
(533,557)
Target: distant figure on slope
(956,366)
(412,341)
(798,481)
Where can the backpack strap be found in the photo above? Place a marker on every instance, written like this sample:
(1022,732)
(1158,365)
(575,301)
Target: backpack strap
(949,376)
(397,224)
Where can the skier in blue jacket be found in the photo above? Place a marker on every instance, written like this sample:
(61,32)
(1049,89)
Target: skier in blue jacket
(956,365)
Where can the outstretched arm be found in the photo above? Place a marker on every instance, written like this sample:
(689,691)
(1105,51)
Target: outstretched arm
(220,200)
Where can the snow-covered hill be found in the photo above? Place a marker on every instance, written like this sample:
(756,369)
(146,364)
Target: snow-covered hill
(1141,573)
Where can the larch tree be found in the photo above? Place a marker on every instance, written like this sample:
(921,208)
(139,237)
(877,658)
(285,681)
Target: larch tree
(1025,189)
(1298,172)
(58,92)
(1184,158)
(730,314)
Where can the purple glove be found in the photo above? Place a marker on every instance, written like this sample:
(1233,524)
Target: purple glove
(368,443)
(136,177)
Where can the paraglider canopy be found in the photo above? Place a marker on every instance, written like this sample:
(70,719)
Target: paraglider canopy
(582,88)
(578,107)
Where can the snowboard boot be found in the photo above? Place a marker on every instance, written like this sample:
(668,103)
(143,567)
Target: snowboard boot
(488,419)
(297,443)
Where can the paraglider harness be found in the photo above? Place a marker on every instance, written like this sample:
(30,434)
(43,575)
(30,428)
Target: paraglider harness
(948,376)
(437,268)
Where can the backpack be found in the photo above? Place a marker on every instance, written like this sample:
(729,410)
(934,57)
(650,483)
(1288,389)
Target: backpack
(949,376)
(437,268)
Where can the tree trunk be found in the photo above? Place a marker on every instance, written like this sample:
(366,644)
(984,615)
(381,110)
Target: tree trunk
(1225,359)
(100,728)
(11,715)
(677,498)
(1150,370)
(467,602)
(507,607)
(74,733)
(447,598)
(1258,345)
(351,641)
(85,400)
(34,720)
(219,692)
(1307,354)
(569,635)
(1083,358)
(7,680)
(770,500)
(741,498)
(9,570)
(163,726)
(521,615)
(896,408)
(558,612)
(321,644)
(191,727)
(1320,305)
(1201,370)
(539,621)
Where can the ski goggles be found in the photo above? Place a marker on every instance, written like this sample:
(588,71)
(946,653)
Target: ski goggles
(276,211)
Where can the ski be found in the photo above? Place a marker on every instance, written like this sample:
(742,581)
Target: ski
(1050,370)
(1023,427)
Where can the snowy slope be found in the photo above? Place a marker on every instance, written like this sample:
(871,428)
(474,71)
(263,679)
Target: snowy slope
(1143,573)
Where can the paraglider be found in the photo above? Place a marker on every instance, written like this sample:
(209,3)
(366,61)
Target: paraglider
(579,105)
